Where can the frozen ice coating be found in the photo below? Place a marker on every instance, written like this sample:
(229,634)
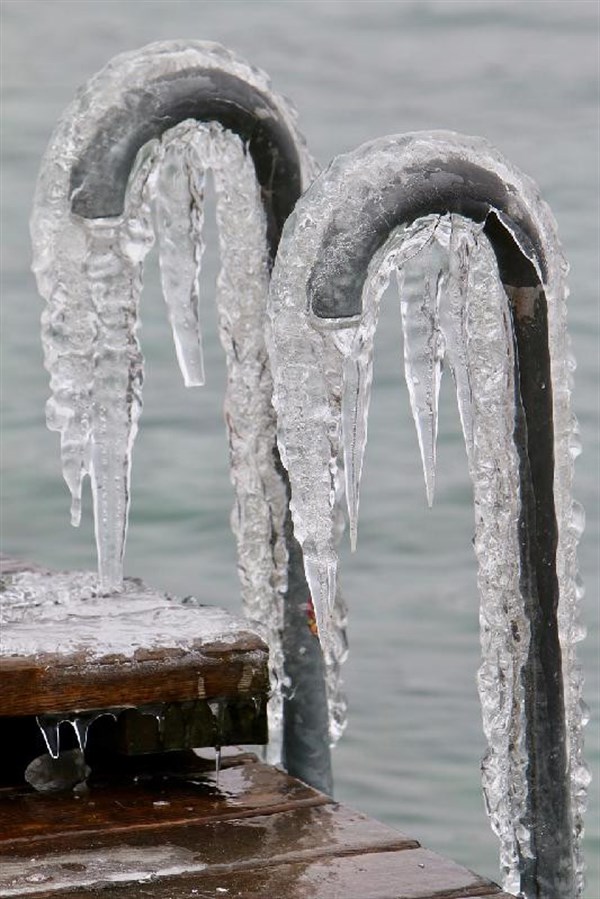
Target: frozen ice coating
(466,285)
(128,161)
(258,516)
(482,352)
(80,722)
(67,613)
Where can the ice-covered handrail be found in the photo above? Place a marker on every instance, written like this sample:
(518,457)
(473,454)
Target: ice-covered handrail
(128,161)
(201,81)
(490,301)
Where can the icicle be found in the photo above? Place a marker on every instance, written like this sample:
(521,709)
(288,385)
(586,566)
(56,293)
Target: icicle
(459,243)
(80,727)
(50,730)
(261,502)
(49,726)
(355,400)
(91,350)
(179,221)
(217,708)
(335,657)
(356,347)
(68,337)
(322,577)
(424,348)
(82,722)
(217,764)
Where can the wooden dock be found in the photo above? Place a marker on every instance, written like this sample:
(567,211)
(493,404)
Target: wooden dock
(256,834)
(140,814)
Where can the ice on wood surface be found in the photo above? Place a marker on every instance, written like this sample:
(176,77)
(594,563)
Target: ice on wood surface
(454,312)
(90,273)
(68,613)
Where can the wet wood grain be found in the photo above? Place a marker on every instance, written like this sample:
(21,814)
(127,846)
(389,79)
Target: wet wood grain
(256,833)
(34,686)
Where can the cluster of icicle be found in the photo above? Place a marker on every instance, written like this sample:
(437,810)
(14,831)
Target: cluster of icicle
(454,311)
(90,273)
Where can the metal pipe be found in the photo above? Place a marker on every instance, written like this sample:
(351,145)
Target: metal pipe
(98,183)
(392,182)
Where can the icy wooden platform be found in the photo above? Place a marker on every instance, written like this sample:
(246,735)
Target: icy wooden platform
(176,674)
(63,647)
(257,833)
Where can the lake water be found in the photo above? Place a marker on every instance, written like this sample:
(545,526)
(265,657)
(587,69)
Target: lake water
(522,74)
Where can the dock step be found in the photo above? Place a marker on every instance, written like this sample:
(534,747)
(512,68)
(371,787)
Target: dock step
(253,832)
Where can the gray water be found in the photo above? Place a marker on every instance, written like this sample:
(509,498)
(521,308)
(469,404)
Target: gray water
(524,75)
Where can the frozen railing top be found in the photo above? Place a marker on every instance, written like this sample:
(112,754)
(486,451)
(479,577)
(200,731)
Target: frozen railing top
(394,181)
(481,277)
(141,94)
(351,225)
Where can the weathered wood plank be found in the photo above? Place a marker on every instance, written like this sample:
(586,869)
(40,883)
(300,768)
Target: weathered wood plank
(34,687)
(150,803)
(409,874)
(256,834)
(302,834)
(404,874)
(495,893)
(304,831)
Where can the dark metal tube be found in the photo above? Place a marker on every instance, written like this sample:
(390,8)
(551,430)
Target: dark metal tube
(99,177)
(443,185)
(383,199)
(98,185)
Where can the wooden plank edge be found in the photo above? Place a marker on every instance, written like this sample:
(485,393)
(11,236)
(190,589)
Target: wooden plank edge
(186,884)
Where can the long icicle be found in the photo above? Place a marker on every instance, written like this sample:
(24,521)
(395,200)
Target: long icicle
(261,502)
(424,345)
(179,219)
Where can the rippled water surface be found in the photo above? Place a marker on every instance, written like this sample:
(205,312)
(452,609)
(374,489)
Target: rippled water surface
(525,76)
